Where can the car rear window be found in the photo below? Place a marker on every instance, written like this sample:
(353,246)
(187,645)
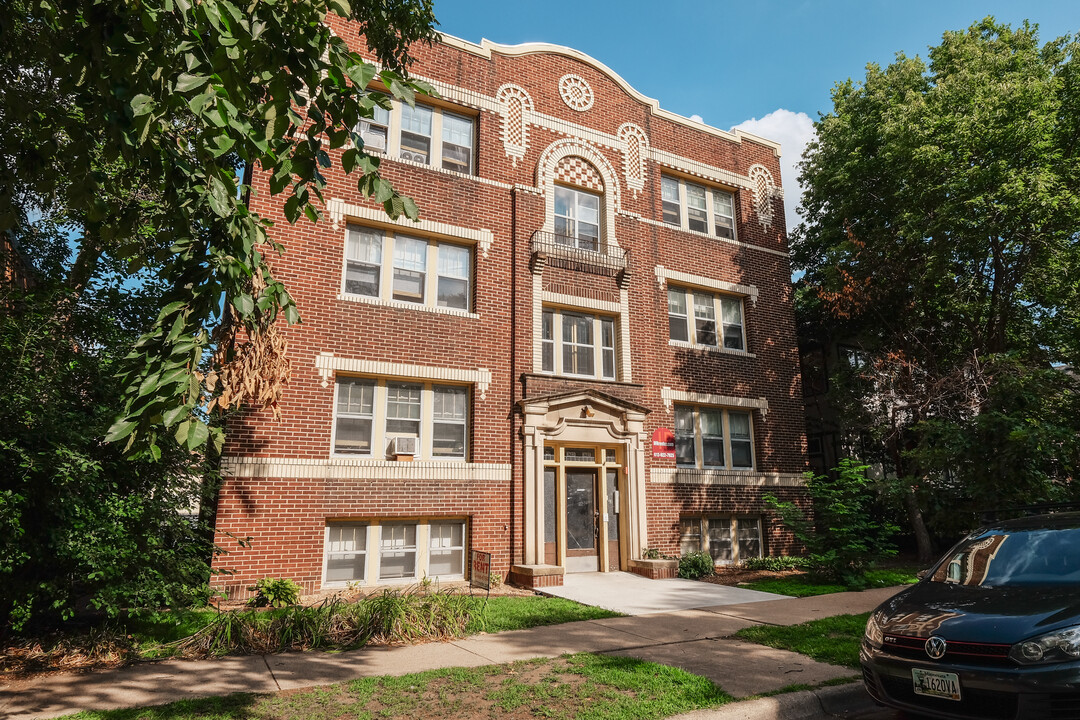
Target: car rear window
(1024,557)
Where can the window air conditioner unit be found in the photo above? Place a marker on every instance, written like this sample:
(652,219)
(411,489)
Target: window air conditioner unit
(414,156)
(403,446)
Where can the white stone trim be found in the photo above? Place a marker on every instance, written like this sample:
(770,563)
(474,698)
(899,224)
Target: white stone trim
(327,363)
(737,243)
(349,297)
(340,210)
(700,169)
(738,478)
(663,275)
(670,396)
(708,348)
(485,48)
(624,336)
(575,301)
(361,469)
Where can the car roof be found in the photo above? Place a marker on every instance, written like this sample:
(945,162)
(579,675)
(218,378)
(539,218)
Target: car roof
(1054,521)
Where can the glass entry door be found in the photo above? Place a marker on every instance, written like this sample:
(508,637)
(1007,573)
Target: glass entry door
(582,521)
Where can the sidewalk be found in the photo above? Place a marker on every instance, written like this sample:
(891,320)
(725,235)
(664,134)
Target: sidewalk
(695,640)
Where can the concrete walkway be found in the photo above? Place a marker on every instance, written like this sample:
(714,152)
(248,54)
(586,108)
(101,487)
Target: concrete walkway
(696,640)
(632,594)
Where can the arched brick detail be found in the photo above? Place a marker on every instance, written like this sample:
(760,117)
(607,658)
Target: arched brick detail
(546,175)
(764,188)
(515,103)
(635,153)
(574,170)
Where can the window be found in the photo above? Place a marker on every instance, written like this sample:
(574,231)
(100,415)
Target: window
(397,552)
(408,278)
(355,413)
(727,540)
(446,550)
(713,438)
(370,413)
(457,148)
(448,421)
(577,344)
(695,207)
(577,218)
(376,131)
(706,308)
(422,134)
(346,553)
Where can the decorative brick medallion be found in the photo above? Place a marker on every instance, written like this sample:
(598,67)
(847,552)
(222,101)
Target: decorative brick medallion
(575,92)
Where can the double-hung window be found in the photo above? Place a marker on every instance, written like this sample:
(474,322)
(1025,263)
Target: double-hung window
(713,438)
(727,540)
(692,318)
(346,553)
(422,134)
(416,133)
(369,413)
(578,344)
(446,549)
(696,207)
(397,552)
(396,267)
(577,218)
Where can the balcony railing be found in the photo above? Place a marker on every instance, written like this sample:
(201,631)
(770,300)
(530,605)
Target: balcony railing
(561,251)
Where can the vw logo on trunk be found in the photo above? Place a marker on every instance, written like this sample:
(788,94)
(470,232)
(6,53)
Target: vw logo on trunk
(935,647)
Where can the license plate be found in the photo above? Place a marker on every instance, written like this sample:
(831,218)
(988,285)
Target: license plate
(932,683)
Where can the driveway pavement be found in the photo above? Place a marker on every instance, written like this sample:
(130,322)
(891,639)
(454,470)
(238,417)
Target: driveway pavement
(632,594)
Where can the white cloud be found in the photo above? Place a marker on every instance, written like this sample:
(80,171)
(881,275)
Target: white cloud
(793,131)
(697,118)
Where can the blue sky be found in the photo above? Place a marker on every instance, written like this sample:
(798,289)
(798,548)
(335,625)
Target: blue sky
(765,65)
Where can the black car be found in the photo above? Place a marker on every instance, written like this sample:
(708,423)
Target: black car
(991,632)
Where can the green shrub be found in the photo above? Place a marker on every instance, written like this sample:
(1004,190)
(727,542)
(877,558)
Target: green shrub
(845,539)
(275,592)
(695,565)
(775,564)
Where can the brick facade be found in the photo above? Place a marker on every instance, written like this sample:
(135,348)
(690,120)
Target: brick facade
(284,483)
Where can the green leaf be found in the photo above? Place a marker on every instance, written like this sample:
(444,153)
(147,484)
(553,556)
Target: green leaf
(197,434)
(219,197)
(187,82)
(244,304)
(141,105)
(120,430)
(173,415)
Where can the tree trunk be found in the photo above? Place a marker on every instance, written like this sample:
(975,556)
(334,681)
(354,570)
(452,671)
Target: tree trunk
(924,546)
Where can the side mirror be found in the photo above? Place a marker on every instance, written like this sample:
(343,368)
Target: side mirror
(923,574)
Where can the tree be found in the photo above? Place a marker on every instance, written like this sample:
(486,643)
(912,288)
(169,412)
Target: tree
(942,234)
(109,107)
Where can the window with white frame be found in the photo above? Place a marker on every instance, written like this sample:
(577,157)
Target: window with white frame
(397,551)
(579,344)
(407,277)
(446,549)
(577,218)
(693,314)
(691,206)
(728,540)
(345,553)
(421,133)
(713,438)
(370,413)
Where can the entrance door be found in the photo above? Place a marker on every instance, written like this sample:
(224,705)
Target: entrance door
(614,562)
(582,521)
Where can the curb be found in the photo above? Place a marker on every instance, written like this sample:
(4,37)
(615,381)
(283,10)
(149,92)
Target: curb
(816,704)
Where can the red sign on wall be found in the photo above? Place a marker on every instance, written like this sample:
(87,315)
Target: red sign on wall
(663,443)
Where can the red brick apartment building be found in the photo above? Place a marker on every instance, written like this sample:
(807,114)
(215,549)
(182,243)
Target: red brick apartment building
(588,269)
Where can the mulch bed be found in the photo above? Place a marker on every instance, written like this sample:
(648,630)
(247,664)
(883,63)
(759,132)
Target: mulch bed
(737,576)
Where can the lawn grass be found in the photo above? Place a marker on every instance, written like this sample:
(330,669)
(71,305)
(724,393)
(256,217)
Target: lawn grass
(804,586)
(585,686)
(833,640)
(517,613)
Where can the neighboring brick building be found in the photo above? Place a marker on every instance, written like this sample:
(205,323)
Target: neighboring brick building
(588,269)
